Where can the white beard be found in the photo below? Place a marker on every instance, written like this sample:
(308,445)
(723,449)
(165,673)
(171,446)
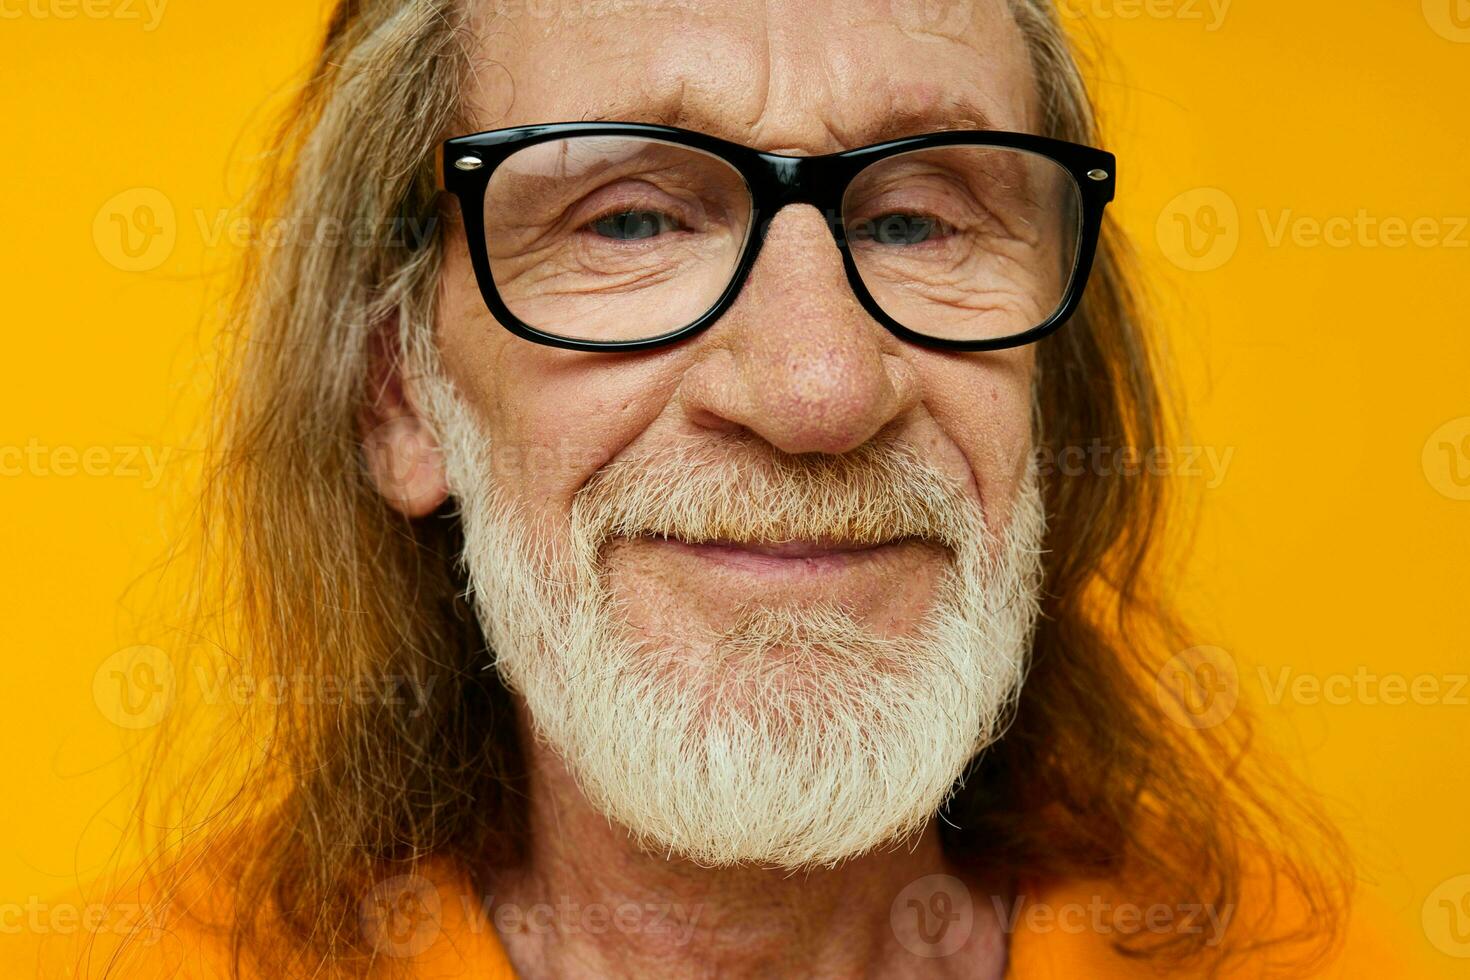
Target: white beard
(803,738)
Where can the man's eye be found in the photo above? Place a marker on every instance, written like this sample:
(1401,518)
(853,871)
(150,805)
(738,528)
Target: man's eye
(634,225)
(903,229)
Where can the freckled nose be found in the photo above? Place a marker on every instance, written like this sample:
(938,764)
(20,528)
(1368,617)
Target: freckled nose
(797,360)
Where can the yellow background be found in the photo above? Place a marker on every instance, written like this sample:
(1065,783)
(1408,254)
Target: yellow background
(1328,378)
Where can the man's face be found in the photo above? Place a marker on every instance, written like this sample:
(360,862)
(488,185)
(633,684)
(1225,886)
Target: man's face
(785,607)
(796,364)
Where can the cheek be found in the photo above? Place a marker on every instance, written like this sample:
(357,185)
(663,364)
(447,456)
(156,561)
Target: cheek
(983,404)
(553,417)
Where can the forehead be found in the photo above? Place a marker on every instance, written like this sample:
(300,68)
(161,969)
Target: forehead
(805,76)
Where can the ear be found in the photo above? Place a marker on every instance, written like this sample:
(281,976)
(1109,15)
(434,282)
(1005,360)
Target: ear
(400,449)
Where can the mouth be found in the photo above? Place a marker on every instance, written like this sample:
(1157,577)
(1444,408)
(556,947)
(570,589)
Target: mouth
(787,558)
(673,585)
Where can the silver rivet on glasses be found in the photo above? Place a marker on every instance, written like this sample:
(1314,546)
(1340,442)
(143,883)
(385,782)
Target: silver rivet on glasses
(1097,175)
(468,163)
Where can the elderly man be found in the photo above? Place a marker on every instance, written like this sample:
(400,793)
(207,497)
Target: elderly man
(664,454)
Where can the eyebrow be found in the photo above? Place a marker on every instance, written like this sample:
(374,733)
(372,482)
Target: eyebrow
(951,113)
(954,112)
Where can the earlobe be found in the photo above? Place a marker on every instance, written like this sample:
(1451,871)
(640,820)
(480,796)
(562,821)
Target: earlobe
(399,447)
(404,462)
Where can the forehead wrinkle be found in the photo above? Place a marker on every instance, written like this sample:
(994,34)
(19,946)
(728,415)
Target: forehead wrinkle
(689,96)
(782,90)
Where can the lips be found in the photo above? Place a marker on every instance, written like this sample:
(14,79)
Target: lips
(792,549)
(784,559)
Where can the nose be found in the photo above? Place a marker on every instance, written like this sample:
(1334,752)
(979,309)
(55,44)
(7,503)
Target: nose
(796,360)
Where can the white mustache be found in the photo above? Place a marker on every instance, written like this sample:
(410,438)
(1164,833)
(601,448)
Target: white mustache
(878,493)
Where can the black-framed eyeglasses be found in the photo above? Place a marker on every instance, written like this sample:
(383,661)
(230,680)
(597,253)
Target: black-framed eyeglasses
(627,236)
